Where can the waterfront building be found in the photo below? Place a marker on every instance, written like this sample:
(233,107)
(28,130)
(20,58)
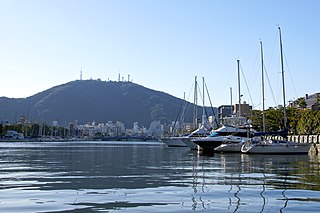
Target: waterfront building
(224,111)
(313,101)
(245,109)
(155,129)
(310,102)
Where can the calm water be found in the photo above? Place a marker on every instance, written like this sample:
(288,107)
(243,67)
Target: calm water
(150,177)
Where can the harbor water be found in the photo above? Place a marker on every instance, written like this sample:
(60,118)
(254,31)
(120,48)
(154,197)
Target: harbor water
(151,177)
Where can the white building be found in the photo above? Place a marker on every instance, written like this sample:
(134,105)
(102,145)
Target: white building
(155,129)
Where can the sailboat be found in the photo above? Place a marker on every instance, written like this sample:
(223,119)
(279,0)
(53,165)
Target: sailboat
(261,145)
(228,138)
(230,146)
(202,131)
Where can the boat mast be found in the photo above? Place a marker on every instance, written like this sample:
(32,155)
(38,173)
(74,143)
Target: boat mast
(238,64)
(231,101)
(183,112)
(195,101)
(283,88)
(203,110)
(262,80)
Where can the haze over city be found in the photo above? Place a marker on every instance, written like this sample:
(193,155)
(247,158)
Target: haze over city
(162,45)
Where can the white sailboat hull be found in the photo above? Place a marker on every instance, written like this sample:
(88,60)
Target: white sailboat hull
(276,147)
(232,147)
(174,142)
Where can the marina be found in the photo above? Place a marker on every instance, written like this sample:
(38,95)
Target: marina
(128,135)
(94,176)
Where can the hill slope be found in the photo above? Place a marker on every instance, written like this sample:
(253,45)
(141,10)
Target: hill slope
(94,100)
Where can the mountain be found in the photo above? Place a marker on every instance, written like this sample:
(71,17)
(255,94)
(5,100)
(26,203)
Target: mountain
(94,100)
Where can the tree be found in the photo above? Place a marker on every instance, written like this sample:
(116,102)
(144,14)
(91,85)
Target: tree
(318,98)
(306,122)
(293,116)
(274,119)
(301,102)
(316,106)
(317,123)
(256,117)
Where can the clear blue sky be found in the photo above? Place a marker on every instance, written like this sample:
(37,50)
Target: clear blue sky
(161,44)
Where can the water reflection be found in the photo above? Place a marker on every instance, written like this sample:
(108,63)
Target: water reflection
(266,176)
(151,177)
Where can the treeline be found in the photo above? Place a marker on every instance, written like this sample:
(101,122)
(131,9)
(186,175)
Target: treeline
(34,130)
(299,121)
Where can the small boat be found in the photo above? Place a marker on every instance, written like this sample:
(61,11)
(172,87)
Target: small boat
(225,135)
(268,146)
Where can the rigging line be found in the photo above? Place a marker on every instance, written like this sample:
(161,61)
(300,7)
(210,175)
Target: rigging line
(201,96)
(187,106)
(275,45)
(266,74)
(175,122)
(215,118)
(185,110)
(246,84)
(291,80)
(254,73)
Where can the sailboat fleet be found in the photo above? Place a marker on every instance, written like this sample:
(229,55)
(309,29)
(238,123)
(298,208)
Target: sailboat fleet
(240,137)
(203,131)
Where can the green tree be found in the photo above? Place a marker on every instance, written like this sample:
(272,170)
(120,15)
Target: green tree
(316,106)
(293,116)
(306,122)
(301,102)
(256,117)
(274,119)
(317,123)
(318,98)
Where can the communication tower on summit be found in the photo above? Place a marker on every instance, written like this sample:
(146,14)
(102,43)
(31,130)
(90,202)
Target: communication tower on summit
(81,74)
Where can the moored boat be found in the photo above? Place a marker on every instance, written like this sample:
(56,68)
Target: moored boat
(184,141)
(226,134)
(198,133)
(268,146)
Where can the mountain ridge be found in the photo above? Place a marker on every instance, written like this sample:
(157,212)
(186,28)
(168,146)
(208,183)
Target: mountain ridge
(94,100)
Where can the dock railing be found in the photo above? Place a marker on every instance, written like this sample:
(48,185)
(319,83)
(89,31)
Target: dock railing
(313,139)
(299,138)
